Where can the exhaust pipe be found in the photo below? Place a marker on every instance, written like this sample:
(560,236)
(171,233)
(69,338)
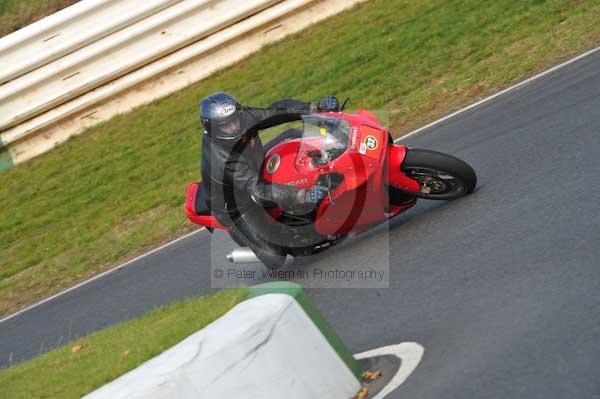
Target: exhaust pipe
(246,255)
(242,255)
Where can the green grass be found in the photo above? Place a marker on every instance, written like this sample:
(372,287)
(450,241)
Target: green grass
(107,195)
(15,14)
(105,355)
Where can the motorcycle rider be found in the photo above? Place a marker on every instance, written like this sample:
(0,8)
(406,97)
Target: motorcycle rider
(232,157)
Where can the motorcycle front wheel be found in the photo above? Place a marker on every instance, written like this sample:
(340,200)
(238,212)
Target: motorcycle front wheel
(441,176)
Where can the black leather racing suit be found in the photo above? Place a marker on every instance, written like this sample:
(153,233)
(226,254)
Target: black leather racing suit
(231,178)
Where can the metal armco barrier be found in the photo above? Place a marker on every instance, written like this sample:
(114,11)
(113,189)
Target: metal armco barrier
(96,49)
(117,54)
(69,30)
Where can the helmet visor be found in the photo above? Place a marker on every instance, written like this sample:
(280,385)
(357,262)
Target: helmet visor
(230,127)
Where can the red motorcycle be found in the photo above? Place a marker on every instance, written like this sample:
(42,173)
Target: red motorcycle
(370,179)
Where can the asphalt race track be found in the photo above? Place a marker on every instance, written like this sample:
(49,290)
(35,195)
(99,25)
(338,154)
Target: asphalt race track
(502,288)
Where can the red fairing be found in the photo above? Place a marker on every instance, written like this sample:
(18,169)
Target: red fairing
(396,178)
(190,209)
(285,171)
(359,201)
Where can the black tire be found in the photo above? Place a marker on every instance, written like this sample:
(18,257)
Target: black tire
(235,237)
(442,176)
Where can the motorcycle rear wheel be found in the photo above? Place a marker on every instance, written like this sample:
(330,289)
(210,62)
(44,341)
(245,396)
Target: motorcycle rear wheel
(442,176)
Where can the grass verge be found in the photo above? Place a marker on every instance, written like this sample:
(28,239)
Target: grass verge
(15,14)
(109,194)
(85,365)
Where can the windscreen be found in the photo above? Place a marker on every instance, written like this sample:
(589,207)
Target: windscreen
(324,139)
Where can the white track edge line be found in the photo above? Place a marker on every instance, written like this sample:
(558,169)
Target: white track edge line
(498,94)
(434,123)
(98,276)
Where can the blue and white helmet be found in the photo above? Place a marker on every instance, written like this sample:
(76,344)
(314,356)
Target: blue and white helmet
(220,116)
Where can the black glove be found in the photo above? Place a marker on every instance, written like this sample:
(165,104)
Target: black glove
(315,194)
(328,104)
(307,199)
